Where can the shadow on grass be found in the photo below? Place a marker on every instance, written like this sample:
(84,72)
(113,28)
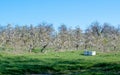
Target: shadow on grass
(24,65)
(21,65)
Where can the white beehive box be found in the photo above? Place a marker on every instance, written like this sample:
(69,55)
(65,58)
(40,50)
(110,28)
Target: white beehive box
(90,53)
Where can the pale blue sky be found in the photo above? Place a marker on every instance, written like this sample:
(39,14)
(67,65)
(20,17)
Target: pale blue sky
(69,12)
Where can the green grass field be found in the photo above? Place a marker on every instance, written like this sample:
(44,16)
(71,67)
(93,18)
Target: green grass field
(60,63)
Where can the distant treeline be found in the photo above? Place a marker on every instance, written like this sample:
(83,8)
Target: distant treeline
(44,37)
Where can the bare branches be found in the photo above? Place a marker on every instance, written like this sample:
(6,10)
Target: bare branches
(43,37)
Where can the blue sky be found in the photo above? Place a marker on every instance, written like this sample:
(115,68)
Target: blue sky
(57,12)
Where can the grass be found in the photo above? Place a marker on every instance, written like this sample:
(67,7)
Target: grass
(57,63)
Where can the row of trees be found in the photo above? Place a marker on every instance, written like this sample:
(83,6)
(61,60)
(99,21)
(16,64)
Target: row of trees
(42,37)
